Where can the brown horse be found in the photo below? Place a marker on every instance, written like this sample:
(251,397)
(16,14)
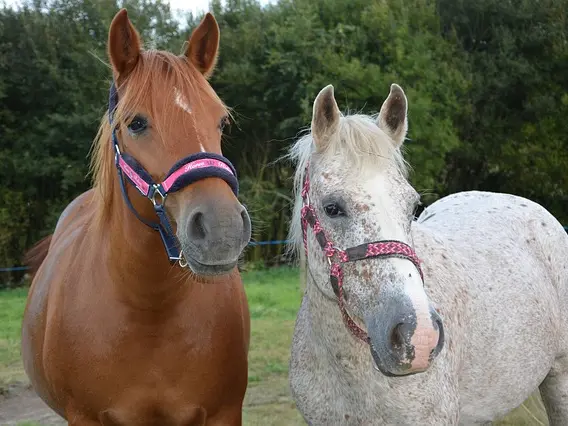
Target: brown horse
(116,331)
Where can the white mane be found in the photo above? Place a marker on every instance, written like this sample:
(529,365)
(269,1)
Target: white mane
(358,140)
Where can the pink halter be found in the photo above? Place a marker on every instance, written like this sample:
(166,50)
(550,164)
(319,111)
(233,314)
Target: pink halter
(336,257)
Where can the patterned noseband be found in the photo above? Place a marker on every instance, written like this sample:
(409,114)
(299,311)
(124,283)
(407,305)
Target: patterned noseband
(185,172)
(335,256)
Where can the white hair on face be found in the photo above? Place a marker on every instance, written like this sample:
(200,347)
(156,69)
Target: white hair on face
(181,101)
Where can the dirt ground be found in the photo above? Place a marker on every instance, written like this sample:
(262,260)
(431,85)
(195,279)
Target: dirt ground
(266,404)
(20,405)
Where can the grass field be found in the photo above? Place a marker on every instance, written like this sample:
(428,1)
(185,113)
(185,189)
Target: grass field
(274,297)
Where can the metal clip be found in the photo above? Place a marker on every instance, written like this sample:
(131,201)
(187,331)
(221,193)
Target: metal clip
(162,196)
(181,260)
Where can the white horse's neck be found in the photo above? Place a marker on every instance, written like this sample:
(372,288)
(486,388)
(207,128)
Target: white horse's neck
(336,346)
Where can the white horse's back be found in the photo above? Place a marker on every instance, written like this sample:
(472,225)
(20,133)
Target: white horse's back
(517,263)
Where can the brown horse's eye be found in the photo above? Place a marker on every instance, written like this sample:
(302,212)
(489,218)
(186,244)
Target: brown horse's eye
(137,125)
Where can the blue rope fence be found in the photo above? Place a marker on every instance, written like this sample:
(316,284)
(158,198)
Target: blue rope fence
(14,269)
(252,244)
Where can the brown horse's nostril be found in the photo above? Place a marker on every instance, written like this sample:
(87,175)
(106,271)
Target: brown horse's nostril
(197,230)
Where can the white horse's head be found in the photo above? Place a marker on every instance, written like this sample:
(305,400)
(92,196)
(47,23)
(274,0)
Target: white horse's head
(360,194)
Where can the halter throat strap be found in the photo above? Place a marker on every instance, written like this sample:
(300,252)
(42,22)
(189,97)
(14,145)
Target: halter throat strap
(186,171)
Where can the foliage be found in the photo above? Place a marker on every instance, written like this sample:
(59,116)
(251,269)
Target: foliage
(485,80)
(514,138)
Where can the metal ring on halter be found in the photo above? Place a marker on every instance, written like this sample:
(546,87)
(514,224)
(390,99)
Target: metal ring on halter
(162,196)
(182,261)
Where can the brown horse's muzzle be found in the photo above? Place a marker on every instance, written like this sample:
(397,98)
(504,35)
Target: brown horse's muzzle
(213,235)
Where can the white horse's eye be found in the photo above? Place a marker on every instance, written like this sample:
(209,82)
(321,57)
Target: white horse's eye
(333,210)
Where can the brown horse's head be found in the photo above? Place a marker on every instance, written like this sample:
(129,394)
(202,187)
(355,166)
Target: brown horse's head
(166,112)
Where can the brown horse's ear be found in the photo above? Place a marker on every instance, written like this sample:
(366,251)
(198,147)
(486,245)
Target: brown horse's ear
(325,117)
(204,45)
(123,44)
(393,115)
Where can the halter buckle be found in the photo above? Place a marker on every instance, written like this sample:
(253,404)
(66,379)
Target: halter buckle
(162,196)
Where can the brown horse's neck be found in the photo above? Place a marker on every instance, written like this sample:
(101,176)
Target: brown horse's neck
(136,258)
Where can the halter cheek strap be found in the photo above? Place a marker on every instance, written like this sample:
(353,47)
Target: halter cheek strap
(188,170)
(336,257)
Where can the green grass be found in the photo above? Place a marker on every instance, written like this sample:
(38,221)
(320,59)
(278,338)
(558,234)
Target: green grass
(12,303)
(274,298)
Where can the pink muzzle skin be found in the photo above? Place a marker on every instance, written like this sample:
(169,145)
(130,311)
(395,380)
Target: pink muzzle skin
(336,257)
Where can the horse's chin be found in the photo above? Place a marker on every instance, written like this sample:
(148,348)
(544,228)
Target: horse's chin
(399,374)
(391,369)
(210,270)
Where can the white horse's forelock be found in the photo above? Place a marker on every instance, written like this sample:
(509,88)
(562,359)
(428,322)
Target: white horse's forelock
(358,141)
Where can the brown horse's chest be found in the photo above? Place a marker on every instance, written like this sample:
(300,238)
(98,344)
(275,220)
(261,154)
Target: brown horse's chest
(149,413)
(168,370)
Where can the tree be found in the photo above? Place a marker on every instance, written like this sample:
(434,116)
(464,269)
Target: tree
(514,136)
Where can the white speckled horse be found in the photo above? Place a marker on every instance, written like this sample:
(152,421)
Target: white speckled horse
(461,336)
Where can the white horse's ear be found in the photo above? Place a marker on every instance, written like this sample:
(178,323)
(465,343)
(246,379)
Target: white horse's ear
(325,117)
(393,115)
